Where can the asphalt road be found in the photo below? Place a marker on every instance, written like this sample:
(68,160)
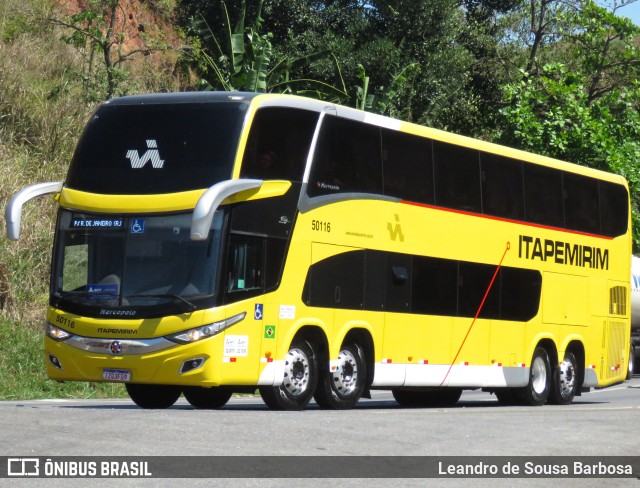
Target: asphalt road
(600,423)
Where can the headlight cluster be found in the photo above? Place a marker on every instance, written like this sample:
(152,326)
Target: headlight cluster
(199,333)
(56,333)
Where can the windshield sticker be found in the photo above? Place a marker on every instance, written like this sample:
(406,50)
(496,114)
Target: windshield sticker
(96,223)
(103,289)
(287,311)
(236,345)
(257,311)
(137,226)
(269,331)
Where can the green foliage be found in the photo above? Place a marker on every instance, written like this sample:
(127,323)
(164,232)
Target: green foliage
(43,109)
(551,115)
(242,61)
(99,29)
(23,374)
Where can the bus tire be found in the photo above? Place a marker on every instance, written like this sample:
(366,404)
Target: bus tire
(341,390)
(537,391)
(565,381)
(153,396)
(300,379)
(207,398)
(632,359)
(441,397)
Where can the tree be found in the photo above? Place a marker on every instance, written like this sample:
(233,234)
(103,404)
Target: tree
(243,60)
(585,106)
(101,28)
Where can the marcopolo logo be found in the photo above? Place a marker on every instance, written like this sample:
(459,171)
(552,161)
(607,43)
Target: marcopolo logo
(152,154)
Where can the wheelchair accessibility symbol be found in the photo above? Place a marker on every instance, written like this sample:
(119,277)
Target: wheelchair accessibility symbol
(137,226)
(257,312)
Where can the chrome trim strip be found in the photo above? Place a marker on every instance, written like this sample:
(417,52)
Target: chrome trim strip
(128,347)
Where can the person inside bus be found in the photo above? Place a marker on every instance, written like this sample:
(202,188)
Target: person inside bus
(265,165)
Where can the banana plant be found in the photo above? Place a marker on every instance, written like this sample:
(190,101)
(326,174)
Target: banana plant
(381,101)
(244,63)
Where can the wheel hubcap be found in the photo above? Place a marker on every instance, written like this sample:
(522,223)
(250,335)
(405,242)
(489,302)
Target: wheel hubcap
(296,372)
(345,378)
(539,374)
(567,378)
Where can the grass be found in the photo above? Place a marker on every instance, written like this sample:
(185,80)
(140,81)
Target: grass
(22,369)
(43,109)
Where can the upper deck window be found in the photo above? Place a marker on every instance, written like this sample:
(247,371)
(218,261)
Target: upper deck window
(278,144)
(348,159)
(157,148)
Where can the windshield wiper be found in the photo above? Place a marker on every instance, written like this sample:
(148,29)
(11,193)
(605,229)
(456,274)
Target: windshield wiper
(190,307)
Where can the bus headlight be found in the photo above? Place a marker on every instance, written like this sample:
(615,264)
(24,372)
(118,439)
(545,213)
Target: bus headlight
(56,333)
(199,333)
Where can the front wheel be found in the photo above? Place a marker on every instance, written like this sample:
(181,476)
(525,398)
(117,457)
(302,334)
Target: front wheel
(153,396)
(341,389)
(207,398)
(537,391)
(565,381)
(300,379)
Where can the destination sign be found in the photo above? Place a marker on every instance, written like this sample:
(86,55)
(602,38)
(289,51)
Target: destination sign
(96,223)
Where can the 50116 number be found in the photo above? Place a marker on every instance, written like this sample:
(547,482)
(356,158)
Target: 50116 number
(320,226)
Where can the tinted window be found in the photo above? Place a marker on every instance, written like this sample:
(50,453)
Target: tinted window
(152,149)
(422,285)
(347,158)
(399,288)
(336,282)
(502,194)
(407,166)
(519,293)
(614,208)
(581,207)
(457,173)
(543,195)
(278,144)
(473,282)
(434,286)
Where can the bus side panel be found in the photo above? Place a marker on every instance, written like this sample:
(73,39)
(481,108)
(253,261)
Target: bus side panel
(565,299)
(239,358)
(506,346)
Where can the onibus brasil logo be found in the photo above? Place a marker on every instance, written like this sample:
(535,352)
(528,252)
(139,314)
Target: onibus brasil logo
(152,154)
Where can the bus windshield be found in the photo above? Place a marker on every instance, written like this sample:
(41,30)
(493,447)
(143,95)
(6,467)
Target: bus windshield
(133,266)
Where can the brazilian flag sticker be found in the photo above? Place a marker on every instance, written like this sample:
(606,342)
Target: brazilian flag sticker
(269,331)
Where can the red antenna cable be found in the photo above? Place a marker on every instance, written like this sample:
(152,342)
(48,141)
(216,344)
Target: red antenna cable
(484,298)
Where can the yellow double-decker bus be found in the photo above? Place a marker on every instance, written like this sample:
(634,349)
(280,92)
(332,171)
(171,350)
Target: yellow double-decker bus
(211,243)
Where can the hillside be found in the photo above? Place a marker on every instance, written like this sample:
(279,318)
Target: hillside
(48,89)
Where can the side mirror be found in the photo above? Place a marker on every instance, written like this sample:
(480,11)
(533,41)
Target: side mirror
(13,212)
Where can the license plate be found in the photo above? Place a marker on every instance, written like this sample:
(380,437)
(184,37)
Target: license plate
(116,375)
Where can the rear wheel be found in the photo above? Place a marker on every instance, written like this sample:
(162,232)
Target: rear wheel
(153,396)
(537,391)
(443,397)
(207,398)
(565,381)
(341,389)
(300,379)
